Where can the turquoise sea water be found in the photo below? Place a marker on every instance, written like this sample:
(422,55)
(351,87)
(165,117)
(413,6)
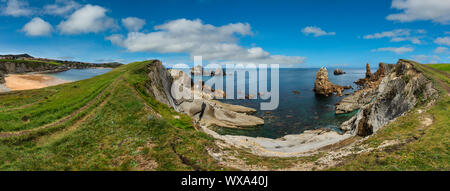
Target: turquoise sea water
(80,74)
(297,112)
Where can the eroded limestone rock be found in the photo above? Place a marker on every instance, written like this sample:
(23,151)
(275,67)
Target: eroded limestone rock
(323,86)
(400,90)
(189,98)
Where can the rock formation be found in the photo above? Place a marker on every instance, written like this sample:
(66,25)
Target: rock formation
(197,70)
(198,104)
(2,77)
(338,72)
(372,80)
(388,94)
(200,71)
(323,86)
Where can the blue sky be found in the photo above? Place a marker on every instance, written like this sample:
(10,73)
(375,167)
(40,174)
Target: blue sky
(338,33)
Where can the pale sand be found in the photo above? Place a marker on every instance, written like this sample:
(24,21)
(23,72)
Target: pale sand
(16,82)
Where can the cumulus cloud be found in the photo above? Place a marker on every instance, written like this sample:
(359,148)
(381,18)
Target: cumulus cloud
(440,50)
(133,24)
(443,41)
(88,19)
(16,8)
(61,7)
(398,50)
(214,43)
(316,31)
(399,35)
(414,10)
(37,27)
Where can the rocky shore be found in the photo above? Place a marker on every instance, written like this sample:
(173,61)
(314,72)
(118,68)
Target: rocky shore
(200,105)
(385,95)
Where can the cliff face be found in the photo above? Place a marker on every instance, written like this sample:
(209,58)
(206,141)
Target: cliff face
(197,104)
(399,88)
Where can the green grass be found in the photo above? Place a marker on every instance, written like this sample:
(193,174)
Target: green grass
(443,67)
(425,148)
(120,136)
(50,104)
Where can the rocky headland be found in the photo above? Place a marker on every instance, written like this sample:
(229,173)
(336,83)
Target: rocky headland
(389,93)
(24,63)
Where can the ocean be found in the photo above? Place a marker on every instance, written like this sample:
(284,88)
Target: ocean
(299,108)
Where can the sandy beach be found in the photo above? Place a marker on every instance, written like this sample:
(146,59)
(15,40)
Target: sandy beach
(16,82)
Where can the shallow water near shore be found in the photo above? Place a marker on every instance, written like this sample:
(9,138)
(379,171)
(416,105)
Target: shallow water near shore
(299,108)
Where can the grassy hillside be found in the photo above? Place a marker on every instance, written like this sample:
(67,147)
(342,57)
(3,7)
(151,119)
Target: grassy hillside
(422,148)
(443,67)
(104,123)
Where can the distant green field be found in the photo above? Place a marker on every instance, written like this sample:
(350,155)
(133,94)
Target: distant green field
(443,67)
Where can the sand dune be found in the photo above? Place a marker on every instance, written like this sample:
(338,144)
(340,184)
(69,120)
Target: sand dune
(31,81)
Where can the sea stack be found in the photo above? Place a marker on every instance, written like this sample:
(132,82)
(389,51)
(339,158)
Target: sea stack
(323,86)
(372,79)
(368,72)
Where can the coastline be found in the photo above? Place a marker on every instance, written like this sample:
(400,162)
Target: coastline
(16,82)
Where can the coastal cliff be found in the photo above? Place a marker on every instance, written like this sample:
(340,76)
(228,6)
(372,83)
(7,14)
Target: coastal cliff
(20,64)
(389,93)
(200,105)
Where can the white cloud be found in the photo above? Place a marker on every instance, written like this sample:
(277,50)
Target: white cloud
(61,7)
(426,58)
(440,50)
(90,18)
(133,24)
(415,10)
(399,35)
(316,31)
(398,50)
(37,27)
(16,8)
(443,41)
(214,43)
